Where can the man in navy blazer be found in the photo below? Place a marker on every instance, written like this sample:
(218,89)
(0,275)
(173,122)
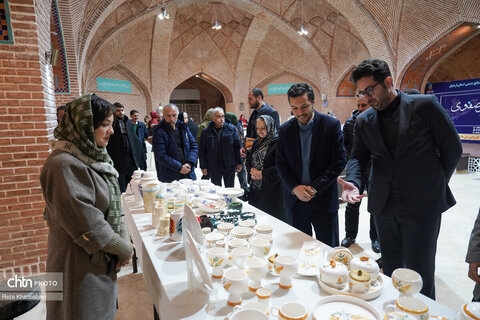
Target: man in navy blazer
(414,149)
(310,157)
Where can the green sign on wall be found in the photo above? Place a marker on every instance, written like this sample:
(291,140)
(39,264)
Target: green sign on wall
(114,85)
(281,88)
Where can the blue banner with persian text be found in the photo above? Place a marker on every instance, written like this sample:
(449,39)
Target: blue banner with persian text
(461,100)
(281,88)
(114,85)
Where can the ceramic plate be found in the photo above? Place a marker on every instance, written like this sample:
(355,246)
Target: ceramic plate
(344,308)
(309,258)
(374,292)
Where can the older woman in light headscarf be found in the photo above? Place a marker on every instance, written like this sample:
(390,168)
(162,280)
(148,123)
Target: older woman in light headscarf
(265,185)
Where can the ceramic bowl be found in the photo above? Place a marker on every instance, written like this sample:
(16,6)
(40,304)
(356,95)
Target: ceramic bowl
(212,206)
(245,233)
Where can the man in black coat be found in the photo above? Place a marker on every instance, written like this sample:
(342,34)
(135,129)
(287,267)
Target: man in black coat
(352,210)
(124,147)
(141,131)
(219,151)
(310,157)
(260,107)
(414,149)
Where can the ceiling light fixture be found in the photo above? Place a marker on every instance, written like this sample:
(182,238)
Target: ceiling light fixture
(163,14)
(216,25)
(302,31)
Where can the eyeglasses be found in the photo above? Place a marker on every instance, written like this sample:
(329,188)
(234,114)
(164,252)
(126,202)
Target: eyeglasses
(368,91)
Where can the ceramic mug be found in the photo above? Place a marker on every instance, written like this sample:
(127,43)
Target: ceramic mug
(407,281)
(286,267)
(263,295)
(290,311)
(260,247)
(235,281)
(470,311)
(217,258)
(256,269)
(239,255)
(410,305)
(176,218)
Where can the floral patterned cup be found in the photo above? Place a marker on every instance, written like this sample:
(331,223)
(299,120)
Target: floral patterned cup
(217,258)
(410,305)
(406,281)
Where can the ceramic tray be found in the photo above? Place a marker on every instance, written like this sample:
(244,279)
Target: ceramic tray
(344,308)
(374,292)
(309,258)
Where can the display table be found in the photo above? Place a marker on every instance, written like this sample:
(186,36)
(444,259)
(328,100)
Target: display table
(165,272)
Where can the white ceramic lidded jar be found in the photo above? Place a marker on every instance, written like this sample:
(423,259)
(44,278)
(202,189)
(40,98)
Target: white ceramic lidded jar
(148,177)
(334,273)
(137,175)
(367,264)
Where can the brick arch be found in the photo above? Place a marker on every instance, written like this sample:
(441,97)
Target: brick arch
(272,77)
(226,92)
(415,74)
(345,88)
(130,75)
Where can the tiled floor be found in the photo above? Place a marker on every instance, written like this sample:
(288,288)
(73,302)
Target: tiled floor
(453,286)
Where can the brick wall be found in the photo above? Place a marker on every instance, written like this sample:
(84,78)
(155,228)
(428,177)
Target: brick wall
(27,115)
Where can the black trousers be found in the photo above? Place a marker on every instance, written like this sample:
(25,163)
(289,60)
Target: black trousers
(124,178)
(227,173)
(352,213)
(325,223)
(409,242)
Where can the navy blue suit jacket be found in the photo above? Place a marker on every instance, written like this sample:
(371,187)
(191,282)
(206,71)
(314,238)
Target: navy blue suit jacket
(428,149)
(327,160)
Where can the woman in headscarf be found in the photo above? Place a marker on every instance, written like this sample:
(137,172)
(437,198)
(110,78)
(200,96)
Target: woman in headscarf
(152,123)
(265,185)
(87,241)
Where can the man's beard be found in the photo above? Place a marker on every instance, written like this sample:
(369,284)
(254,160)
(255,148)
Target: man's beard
(255,105)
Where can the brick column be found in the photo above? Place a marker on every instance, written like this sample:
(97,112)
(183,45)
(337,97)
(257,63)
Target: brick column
(27,118)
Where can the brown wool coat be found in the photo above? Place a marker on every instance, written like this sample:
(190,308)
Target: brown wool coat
(77,201)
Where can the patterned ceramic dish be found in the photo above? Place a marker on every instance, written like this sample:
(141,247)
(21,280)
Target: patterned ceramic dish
(245,233)
(345,308)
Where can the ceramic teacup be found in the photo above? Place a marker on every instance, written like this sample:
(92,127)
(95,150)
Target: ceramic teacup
(470,311)
(290,311)
(239,255)
(256,269)
(286,267)
(407,281)
(225,228)
(410,305)
(217,258)
(264,229)
(213,237)
(235,281)
(256,306)
(260,247)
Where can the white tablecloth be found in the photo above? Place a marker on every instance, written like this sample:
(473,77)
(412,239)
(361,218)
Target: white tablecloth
(165,272)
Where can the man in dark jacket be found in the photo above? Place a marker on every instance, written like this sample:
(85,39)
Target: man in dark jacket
(174,147)
(352,210)
(255,100)
(220,150)
(310,157)
(414,149)
(124,147)
(141,131)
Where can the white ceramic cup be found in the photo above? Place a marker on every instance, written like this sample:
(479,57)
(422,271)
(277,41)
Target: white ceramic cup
(176,225)
(263,295)
(239,255)
(217,259)
(470,311)
(260,247)
(264,229)
(164,227)
(249,223)
(407,281)
(235,281)
(256,269)
(410,305)
(248,315)
(286,267)
(225,228)
(212,238)
(255,306)
(266,236)
(290,311)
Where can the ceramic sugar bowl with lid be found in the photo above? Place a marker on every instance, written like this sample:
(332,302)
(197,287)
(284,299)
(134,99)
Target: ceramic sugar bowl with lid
(367,264)
(334,273)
